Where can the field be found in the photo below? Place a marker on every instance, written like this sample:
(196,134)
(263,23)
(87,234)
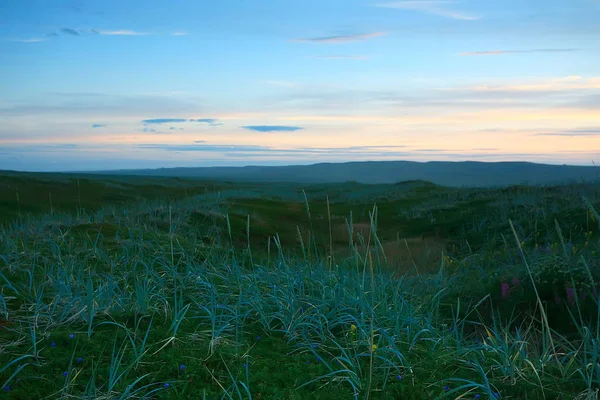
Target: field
(166,288)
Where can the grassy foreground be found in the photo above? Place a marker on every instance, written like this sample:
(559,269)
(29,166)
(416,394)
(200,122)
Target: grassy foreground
(408,291)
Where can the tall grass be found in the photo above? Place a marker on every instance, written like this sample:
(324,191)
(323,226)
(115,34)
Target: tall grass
(152,314)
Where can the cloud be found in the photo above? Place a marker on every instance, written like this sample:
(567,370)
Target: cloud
(568,83)
(32,40)
(272,151)
(101,106)
(123,32)
(163,121)
(272,128)
(499,52)
(179,34)
(37,147)
(70,31)
(98,126)
(211,121)
(204,147)
(430,7)
(53,34)
(580,132)
(341,39)
(342,57)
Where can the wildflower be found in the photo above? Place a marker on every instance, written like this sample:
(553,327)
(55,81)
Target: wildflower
(399,377)
(258,338)
(71,336)
(166,385)
(53,344)
(245,365)
(505,290)
(6,388)
(374,347)
(182,367)
(65,373)
(314,346)
(477,396)
(447,388)
(496,394)
(79,360)
(571,295)
(353,327)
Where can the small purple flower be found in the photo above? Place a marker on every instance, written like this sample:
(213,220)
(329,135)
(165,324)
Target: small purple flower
(52,344)
(6,388)
(79,360)
(308,363)
(571,295)
(258,338)
(65,373)
(496,395)
(245,365)
(505,290)
(166,385)
(399,377)
(71,336)
(447,388)
(182,367)
(314,346)
(477,396)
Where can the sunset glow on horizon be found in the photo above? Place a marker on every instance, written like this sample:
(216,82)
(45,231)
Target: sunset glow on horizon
(107,85)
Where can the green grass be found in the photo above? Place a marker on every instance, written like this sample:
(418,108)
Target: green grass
(122,282)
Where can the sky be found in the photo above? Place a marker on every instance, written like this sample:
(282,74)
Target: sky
(107,84)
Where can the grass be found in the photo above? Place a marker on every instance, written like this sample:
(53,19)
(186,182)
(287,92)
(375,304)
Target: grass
(168,289)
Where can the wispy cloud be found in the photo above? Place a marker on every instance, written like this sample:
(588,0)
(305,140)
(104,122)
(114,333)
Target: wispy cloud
(98,126)
(341,38)
(552,85)
(204,147)
(272,128)
(210,121)
(32,40)
(200,146)
(500,52)
(163,120)
(581,132)
(179,34)
(342,57)
(70,31)
(123,32)
(434,7)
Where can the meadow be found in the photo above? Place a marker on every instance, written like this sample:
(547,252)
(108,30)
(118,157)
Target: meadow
(165,288)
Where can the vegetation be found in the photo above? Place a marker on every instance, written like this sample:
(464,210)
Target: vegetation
(164,288)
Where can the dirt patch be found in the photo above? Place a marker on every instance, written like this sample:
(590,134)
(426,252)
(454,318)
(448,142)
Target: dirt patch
(412,254)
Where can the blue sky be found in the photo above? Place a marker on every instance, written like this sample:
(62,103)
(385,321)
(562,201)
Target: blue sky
(137,84)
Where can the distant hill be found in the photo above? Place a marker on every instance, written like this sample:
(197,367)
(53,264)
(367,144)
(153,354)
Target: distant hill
(466,173)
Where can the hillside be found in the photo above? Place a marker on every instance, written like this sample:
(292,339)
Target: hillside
(458,174)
